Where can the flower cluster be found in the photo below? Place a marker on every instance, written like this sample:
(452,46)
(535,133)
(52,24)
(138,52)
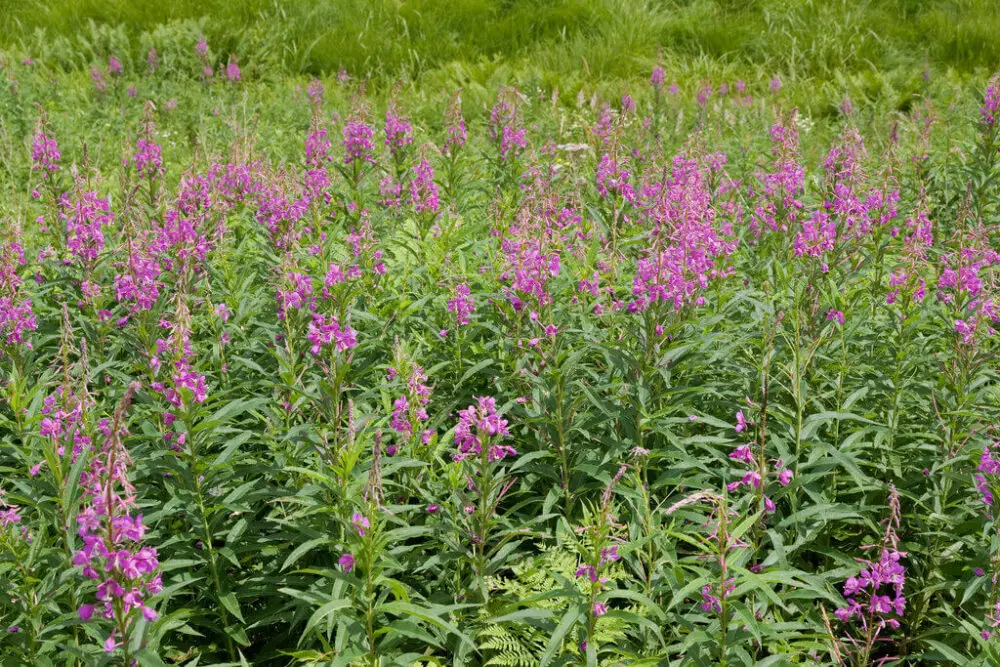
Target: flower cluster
(326,330)
(16,314)
(613,178)
(480,425)
(10,515)
(85,217)
(233,73)
(988,471)
(423,190)
(185,380)
(875,599)
(866,597)
(398,131)
(45,153)
(461,304)
(113,555)
(991,105)
(657,78)
(455,134)
(505,128)
(410,408)
(689,244)
(358,144)
(148,158)
(777,190)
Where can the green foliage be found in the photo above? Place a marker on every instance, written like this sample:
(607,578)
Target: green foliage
(738,339)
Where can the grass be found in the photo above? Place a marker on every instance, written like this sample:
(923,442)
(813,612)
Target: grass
(589,40)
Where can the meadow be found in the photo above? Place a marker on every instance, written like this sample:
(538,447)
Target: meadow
(515,333)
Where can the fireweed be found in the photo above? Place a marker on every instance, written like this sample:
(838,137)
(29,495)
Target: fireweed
(126,572)
(721,545)
(875,600)
(599,545)
(409,408)
(625,269)
(479,437)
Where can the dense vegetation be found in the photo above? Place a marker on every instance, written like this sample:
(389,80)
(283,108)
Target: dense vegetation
(531,345)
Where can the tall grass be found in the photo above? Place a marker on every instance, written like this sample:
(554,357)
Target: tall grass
(585,39)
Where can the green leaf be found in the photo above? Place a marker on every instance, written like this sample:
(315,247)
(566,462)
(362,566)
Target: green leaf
(557,638)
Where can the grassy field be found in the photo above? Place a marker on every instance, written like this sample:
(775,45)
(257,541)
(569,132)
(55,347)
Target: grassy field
(559,42)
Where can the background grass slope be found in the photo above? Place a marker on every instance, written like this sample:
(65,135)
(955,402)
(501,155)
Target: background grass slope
(596,39)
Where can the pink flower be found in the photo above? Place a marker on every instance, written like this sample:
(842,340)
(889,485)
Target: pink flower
(233,72)
(346,561)
(658,77)
(360,523)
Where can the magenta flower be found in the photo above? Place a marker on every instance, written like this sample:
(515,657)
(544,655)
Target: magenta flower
(45,154)
(233,71)
(477,424)
(505,128)
(360,523)
(991,105)
(398,131)
(709,602)
(148,158)
(741,422)
(658,77)
(455,134)
(112,536)
(327,330)
(423,190)
(462,304)
(358,145)
(97,77)
(346,561)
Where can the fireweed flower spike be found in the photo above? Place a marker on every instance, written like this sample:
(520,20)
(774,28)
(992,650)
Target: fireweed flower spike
(233,74)
(658,77)
(398,131)
(506,130)
(479,439)
(720,545)
(410,409)
(16,315)
(113,556)
(875,600)
(10,521)
(455,133)
(598,545)
(462,304)
(358,140)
